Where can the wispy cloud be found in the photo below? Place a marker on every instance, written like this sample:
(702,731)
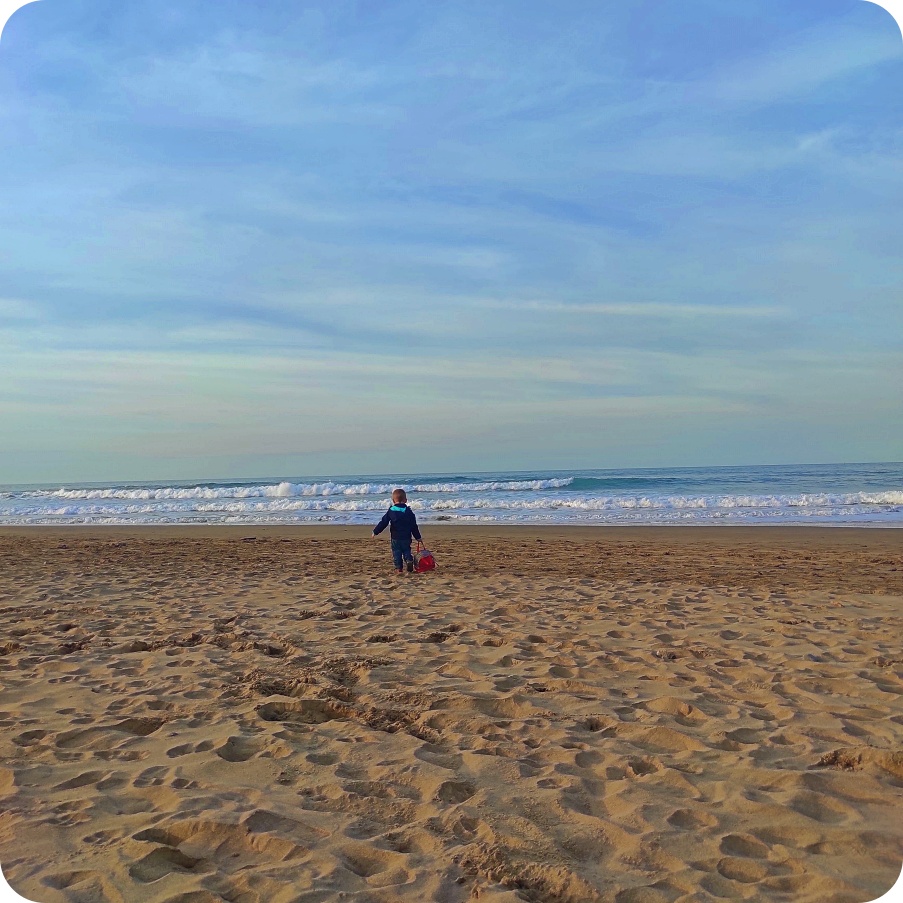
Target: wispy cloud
(17,310)
(652,310)
(806,61)
(472,217)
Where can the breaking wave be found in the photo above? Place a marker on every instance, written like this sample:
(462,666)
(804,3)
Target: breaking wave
(843,494)
(291,490)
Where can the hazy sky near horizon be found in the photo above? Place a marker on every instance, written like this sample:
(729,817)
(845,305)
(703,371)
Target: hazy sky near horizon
(303,238)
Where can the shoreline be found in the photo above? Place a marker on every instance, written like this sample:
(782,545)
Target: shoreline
(709,530)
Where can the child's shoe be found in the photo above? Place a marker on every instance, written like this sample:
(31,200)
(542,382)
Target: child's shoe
(399,571)
(410,567)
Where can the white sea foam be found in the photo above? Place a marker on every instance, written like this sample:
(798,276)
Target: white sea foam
(510,506)
(291,490)
(593,498)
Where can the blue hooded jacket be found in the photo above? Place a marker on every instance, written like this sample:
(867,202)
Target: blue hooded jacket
(401,522)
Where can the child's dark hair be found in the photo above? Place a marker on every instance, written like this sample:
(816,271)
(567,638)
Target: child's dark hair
(399,497)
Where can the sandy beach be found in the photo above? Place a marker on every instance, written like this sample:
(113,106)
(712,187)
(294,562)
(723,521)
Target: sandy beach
(266,715)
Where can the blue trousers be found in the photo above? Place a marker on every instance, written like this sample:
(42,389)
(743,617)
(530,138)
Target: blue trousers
(401,549)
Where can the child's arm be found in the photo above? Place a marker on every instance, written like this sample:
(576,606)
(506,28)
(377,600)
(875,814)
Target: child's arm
(415,530)
(381,525)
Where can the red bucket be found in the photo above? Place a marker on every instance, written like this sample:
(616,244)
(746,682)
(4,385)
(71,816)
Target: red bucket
(423,560)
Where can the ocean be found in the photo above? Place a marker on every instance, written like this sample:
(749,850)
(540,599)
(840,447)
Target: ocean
(838,494)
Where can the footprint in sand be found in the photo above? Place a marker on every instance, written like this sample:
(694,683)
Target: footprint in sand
(745,735)
(101,838)
(596,723)
(304,711)
(643,766)
(164,861)
(98,737)
(85,885)
(29,738)
(792,835)
(821,808)
(239,749)
(122,755)
(455,791)
(264,821)
(368,862)
(744,845)
(74,812)
(155,776)
(322,758)
(690,819)
(182,750)
(262,836)
(436,755)
(83,780)
(501,706)
(745,871)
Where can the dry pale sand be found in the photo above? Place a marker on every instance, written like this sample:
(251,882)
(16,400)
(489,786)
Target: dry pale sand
(555,715)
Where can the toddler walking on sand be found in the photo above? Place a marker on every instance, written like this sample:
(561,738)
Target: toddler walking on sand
(402,527)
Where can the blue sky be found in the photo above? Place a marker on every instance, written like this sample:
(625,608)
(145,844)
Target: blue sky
(303,238)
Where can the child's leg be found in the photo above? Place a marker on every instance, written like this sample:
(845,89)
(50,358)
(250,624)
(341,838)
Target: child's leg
(408,557)
(397,552)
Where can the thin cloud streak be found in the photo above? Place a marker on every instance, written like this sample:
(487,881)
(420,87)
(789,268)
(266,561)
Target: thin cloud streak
(662,311)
